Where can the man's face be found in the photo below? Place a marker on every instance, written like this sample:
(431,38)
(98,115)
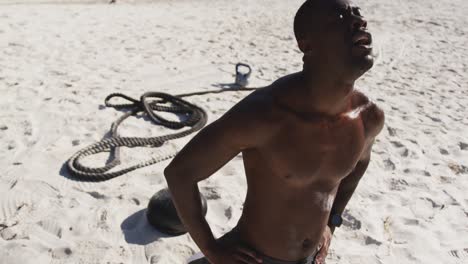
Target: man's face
(339,37)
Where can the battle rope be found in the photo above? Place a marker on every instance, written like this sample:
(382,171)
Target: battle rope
(196,119)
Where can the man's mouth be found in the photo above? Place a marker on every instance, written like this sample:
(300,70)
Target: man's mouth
(362,40)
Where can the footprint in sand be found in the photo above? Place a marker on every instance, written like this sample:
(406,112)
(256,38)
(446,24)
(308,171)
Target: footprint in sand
(443,151)
(434,204)
(447,180)
(453,201)
(102,220)
(86,250)
(179,252)
(8,234)
(397,144)
(61,252)
(51,226)
(14,206)
(411,222)
(463,146)
(372,241)
(461,254)
(398,184)
(211,193)
(389,165)
(135,200)
(228,213)
(27,126)
(458,169)
(155,259)
(434,119)
(11,145)
(391,131)
(403,151)
(418,172)
(351,221)
(97,195)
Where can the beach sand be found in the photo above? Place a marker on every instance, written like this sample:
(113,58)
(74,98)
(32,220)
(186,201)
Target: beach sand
(59,61)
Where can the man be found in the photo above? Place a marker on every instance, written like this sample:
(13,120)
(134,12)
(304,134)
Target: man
(306,142)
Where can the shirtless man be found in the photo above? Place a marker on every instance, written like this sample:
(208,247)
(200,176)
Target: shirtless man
(305,140)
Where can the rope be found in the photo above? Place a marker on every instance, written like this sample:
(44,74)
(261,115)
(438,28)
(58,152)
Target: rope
(196,120)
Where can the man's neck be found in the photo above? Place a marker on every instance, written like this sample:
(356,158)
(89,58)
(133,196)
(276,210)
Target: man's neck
(325,92)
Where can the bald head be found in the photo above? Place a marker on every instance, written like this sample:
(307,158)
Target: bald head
(317,16)
(302,19)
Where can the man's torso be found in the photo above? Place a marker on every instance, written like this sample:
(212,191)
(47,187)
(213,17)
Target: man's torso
(293,174)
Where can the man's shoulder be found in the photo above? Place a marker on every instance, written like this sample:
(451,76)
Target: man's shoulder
(251,118)
(373,117)
(254,106)
(285,83)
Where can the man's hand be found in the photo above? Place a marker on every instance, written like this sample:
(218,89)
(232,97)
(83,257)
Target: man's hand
(234,255)
(324,245)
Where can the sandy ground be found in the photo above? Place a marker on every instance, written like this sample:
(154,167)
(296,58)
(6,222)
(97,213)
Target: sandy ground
(58,62)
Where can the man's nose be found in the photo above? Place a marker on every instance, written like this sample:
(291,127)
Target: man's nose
(358,22)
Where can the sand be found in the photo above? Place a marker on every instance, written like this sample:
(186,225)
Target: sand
(59,61)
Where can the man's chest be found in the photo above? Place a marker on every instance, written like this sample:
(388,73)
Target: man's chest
(308,151)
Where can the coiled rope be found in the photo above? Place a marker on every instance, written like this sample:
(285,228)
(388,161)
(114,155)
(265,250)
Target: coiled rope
(196,120)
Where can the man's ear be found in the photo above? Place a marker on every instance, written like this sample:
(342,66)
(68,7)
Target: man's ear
(301,44)
(304,46)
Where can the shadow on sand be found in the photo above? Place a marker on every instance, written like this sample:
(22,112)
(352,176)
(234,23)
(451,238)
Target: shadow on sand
(226,85)
(64,172)
(137,229)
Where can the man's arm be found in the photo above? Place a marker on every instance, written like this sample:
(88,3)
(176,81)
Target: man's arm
(345,191)
(373,119)
(349,184)
(208,151)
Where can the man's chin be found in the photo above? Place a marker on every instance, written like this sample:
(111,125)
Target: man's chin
(362,65)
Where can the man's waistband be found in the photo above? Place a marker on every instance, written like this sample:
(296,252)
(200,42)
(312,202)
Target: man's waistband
(270,260)
(233,235)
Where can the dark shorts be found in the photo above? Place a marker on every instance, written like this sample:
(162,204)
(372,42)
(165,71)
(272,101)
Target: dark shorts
(232,238)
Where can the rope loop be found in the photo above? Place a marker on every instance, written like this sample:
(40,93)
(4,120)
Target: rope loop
(193,117)
(134,103)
